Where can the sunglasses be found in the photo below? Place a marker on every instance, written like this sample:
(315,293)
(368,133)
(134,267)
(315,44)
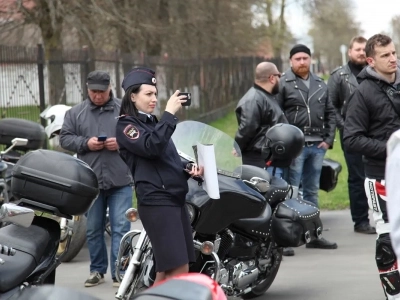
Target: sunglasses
(279,75)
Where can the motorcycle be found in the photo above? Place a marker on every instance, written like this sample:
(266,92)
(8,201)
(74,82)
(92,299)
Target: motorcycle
(30,247)
(239,237)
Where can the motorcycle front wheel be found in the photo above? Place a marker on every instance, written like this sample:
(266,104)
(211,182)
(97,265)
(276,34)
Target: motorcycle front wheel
(265,284)
(77,241)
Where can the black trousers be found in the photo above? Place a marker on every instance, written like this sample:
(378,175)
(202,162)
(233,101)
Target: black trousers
(355,182)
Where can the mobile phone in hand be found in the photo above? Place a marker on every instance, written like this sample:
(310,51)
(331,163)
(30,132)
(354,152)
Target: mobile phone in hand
(188,98)
(101,138)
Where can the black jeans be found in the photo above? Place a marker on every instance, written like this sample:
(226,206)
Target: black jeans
(355,182)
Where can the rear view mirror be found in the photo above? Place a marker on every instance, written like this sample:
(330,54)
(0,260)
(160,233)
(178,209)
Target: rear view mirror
(18,142)
(15,214)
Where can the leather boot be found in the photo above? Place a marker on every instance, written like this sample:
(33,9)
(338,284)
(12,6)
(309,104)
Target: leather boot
(322,244)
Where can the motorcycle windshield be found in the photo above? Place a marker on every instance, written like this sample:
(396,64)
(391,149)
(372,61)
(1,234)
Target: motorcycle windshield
(227,152)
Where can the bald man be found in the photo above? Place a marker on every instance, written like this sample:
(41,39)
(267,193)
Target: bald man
(258,111)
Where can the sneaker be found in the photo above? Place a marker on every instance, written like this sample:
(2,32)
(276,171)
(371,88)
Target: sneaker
(365,228)
(95,278)
(115,283)
(288,251)
(321,244)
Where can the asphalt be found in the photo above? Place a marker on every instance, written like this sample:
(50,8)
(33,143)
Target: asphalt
(347,273)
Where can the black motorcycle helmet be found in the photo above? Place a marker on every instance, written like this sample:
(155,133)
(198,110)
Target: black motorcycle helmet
(283,144)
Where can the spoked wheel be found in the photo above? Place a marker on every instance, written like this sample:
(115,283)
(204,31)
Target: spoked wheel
(265,284)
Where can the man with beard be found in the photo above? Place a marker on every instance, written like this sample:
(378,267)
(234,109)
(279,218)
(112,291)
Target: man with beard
(257,112)
(304,99)
(341,85)
(373,114)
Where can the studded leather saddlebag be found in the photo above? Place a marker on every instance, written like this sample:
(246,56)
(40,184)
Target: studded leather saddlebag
(295,223)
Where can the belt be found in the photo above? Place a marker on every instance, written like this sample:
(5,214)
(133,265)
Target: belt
(309,144)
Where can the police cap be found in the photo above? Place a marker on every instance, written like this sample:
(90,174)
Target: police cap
(139,76)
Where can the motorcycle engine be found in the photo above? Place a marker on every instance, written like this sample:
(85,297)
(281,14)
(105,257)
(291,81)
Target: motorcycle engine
(243,273)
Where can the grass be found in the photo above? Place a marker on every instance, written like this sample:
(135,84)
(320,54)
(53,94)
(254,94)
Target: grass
(334,200)
(22,112)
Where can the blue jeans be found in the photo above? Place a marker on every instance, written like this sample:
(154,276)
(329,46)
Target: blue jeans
(118,201)
(278,171)
(306,168)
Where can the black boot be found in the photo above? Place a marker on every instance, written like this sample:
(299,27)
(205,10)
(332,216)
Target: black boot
(288,251)
(321,244)
(365,228)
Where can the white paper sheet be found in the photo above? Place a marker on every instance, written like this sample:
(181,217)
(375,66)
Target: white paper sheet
(206,159)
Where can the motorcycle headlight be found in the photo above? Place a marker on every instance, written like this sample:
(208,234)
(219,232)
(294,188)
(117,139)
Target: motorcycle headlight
(192,212)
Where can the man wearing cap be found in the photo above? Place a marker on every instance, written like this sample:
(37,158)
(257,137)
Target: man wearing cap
(304,98)
(89,131)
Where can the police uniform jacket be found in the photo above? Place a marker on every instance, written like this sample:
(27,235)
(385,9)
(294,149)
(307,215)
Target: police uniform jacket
(147,148)
(86,120)
(308,107)
(341,84)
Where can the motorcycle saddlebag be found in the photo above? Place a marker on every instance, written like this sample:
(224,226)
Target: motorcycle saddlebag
(329,174)
(11,128)
(295,222)
(54,182)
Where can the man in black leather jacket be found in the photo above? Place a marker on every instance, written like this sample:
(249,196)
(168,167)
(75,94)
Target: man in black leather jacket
(257,112)
(373,114)
(304,99)
(341,85)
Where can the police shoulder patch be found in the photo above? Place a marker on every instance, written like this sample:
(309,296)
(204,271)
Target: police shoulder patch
(131,132)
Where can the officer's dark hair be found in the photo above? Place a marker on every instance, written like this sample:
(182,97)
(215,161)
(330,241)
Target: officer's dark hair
(379,40)
(127,106)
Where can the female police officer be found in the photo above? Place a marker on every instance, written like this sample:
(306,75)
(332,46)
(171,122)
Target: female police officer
(160,179)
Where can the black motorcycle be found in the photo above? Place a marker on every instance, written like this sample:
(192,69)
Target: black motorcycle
(45,181)
(239,236)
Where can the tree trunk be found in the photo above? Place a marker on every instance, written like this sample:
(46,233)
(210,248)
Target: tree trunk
(52,40)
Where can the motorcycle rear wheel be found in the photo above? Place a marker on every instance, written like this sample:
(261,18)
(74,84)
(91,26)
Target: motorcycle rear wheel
(77,241)
(265,284)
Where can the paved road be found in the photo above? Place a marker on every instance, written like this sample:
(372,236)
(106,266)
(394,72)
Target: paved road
(346,273)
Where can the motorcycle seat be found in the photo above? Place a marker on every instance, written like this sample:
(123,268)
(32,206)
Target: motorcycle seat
(278,187)
(259,226)
(176,289)
(277,191)
(249,172)
(30,244)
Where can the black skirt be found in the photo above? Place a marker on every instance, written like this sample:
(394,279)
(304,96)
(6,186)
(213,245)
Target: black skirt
(170,233)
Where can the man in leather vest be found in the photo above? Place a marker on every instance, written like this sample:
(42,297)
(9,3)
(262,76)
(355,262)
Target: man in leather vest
(372,116)
(304,99)
(341,85)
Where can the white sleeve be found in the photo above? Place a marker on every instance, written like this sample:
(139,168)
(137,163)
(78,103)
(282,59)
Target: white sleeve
(392,182)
